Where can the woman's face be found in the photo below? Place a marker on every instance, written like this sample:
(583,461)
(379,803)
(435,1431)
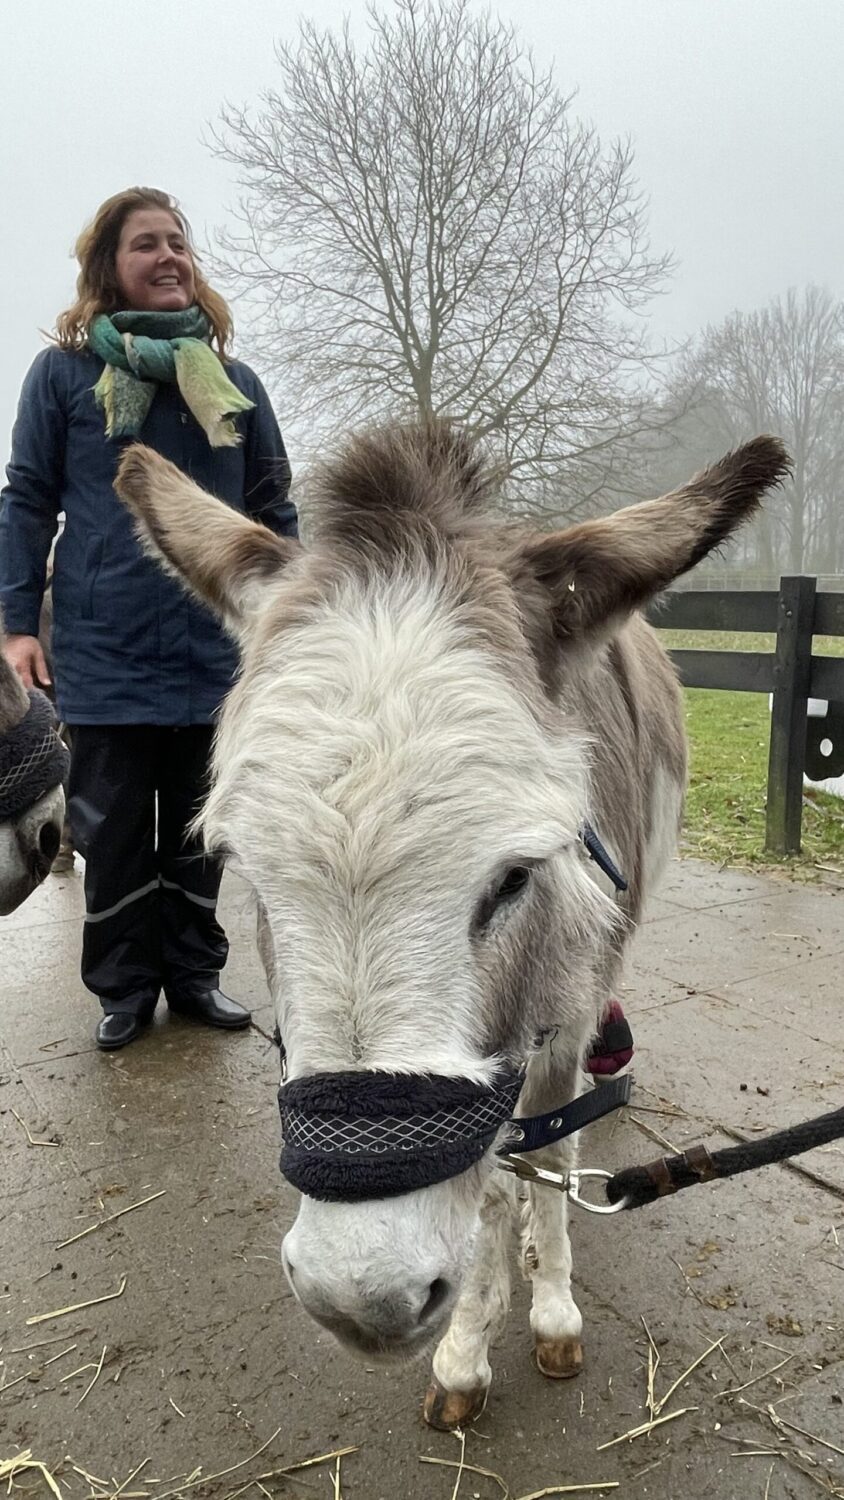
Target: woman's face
(153,263)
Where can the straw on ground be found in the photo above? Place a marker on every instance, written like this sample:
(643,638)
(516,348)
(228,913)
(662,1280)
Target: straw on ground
(62,1312)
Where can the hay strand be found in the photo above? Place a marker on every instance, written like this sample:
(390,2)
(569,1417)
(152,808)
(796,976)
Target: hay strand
(9,1467)
(664,1400)
(94,1378)
(62,1312)
(53,1357)
(570,1489)
(653,1366)
(221,1473)
(645,1428)
(91,1478)
(130,1208)
(452,1463)
(734,1390)
(30,1137)
(304,1463)
(128,1480)
(779,1421)
(655,1135)
(7,1384)
(42,1344)
(461,1437)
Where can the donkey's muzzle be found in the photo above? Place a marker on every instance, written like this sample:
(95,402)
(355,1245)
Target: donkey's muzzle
(391,1318)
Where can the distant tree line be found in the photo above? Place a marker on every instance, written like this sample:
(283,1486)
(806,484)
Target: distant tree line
(777,369)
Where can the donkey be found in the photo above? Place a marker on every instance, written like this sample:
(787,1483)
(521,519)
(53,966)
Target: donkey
(63,861)
(431,706)
(32,765)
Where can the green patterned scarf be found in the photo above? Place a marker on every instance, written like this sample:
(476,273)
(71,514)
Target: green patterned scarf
(142,350)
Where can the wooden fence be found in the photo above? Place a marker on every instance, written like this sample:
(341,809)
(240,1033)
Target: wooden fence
(796,613)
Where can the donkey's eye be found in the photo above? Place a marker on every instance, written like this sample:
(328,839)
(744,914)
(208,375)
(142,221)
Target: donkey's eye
(507,891)
(512,885)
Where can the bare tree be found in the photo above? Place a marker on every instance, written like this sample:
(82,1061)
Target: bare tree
(781,369)
(425,228)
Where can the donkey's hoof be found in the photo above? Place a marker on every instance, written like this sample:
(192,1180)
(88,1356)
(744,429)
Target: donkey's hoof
(559,1359)
(63,862)
(446,1410)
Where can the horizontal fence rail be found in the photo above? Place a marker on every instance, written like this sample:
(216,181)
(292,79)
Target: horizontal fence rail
(726,609)
(795,614)
(740,671)
(732,609)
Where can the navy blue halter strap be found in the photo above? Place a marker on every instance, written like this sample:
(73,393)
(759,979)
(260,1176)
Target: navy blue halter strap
(603,860)
(538,1131)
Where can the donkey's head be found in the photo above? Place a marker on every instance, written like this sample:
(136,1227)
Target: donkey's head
(397,774)
(31,804)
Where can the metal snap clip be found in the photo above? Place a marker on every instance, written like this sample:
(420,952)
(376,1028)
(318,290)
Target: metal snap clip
(578,1176)
(569,1183)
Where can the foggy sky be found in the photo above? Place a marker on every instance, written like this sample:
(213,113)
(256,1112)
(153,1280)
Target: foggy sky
(734,108)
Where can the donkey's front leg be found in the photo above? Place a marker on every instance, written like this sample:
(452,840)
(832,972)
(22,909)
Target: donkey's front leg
(554,1077)
(462,1374)
(555,1319)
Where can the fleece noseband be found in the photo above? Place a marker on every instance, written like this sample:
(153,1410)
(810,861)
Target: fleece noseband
(33,759)
(349,1136)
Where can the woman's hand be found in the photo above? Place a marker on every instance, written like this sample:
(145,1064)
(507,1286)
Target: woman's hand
(24,653)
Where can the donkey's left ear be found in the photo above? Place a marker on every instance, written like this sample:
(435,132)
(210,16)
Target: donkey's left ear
(598,572)
(224,558)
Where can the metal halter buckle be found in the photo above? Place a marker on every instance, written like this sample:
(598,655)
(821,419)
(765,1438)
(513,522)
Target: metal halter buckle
(565,1182)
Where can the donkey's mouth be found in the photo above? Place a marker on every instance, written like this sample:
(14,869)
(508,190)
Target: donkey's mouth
(383,1350)
(15,892)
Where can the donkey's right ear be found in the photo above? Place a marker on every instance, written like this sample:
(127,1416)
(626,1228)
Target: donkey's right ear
(226,560)
(595,574)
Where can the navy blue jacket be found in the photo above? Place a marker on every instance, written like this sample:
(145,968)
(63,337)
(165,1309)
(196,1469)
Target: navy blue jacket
(129,645)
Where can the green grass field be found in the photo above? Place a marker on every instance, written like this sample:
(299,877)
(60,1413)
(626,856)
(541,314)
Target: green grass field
(728,733)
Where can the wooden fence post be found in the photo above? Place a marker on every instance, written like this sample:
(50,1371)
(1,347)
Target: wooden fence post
(792,675)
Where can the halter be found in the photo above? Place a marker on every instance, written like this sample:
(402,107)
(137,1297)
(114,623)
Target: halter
(33,759)
(353,1136)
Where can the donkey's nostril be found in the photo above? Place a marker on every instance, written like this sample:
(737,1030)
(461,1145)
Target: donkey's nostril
(438,1294)
(49,839)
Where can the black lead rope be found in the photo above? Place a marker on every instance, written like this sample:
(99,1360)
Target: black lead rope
(634,1187)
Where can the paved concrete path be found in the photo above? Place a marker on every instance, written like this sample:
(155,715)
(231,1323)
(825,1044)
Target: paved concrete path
(736,993)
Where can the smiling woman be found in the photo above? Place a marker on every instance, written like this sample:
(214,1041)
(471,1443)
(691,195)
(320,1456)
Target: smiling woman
(140,669)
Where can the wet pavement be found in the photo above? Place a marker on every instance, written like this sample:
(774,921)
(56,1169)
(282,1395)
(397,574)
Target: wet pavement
(736,993)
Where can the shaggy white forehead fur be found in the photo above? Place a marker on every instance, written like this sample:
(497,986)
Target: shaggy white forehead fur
(376,768)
